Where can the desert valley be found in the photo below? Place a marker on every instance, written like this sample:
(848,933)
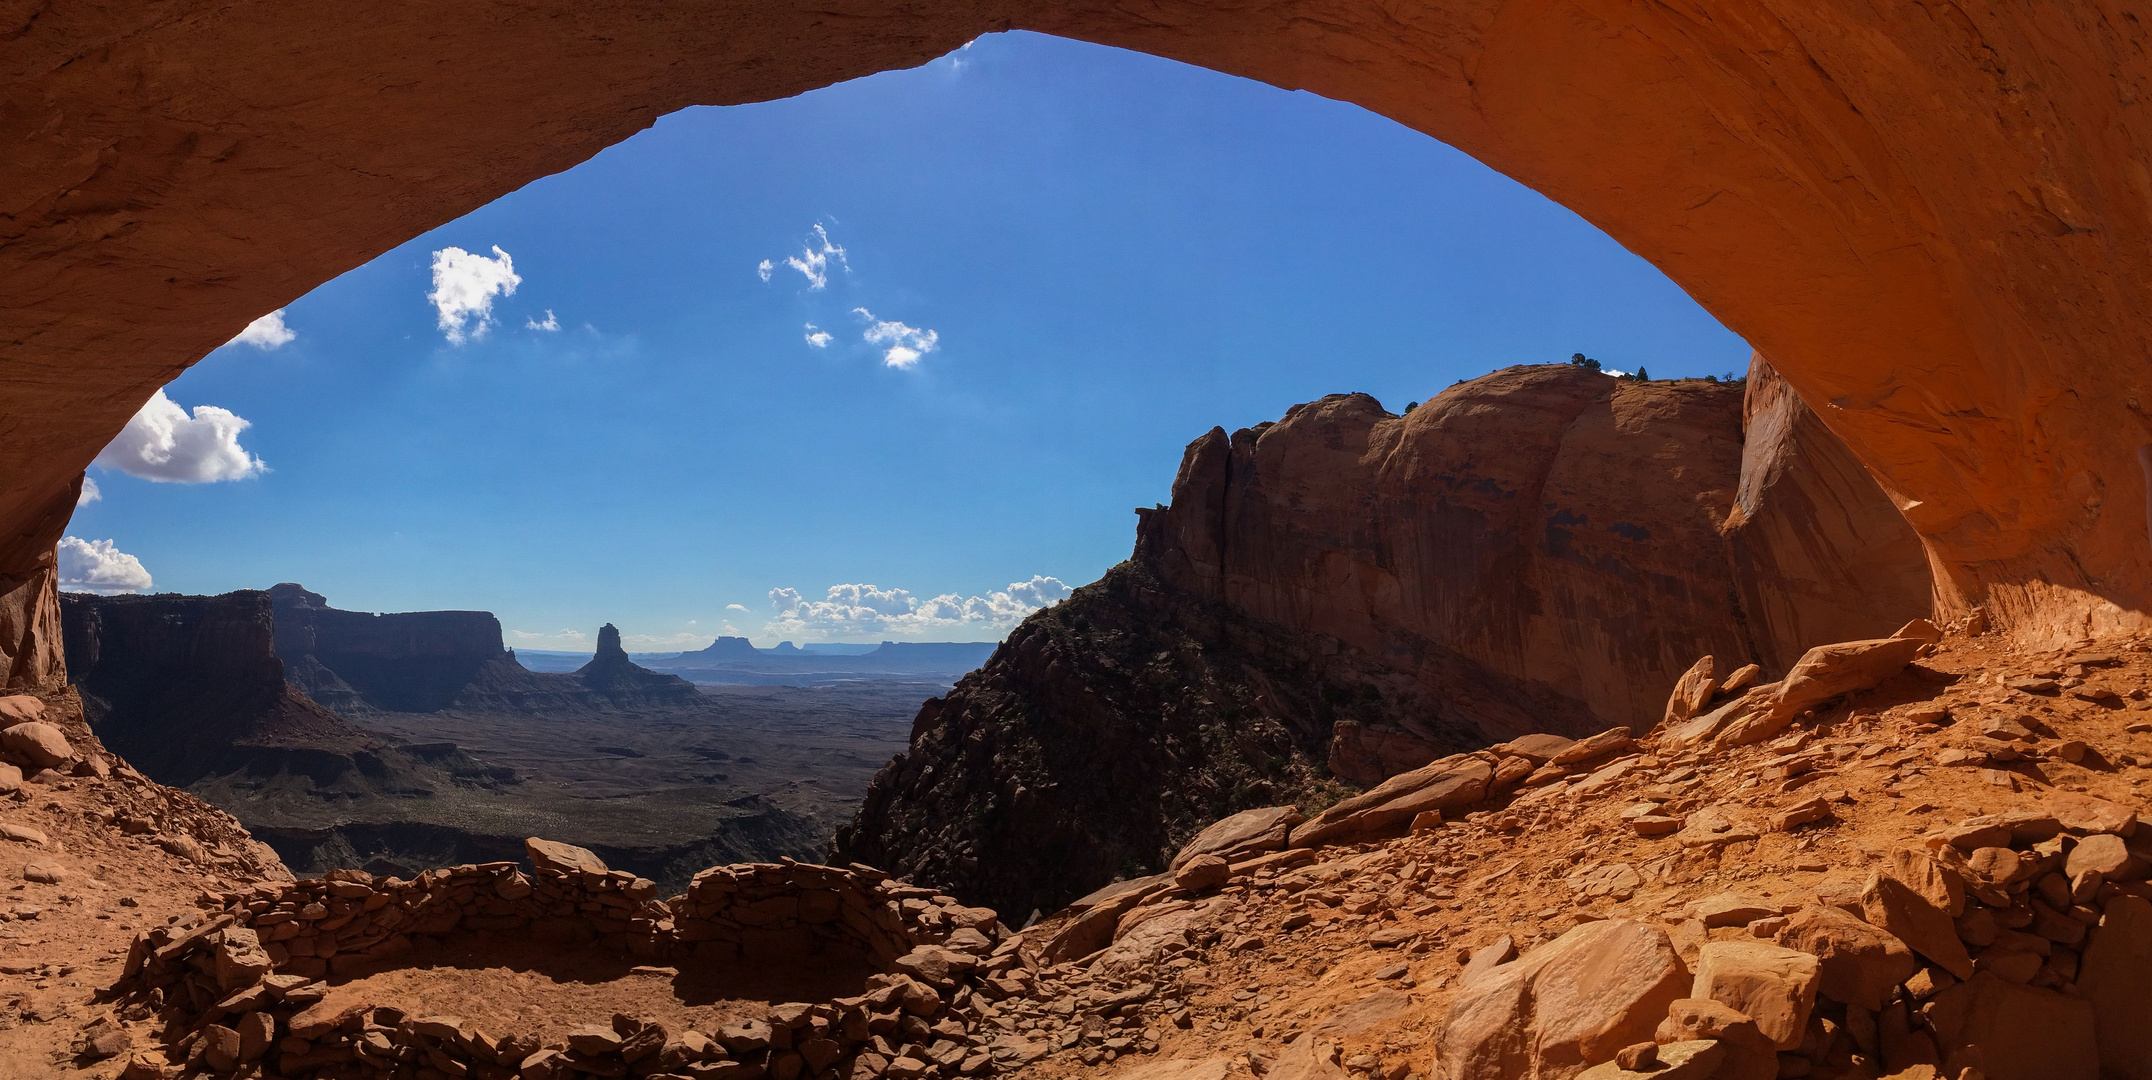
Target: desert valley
(1569,723)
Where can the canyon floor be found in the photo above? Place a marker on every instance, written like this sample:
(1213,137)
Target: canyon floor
(749,773)
(1326,962)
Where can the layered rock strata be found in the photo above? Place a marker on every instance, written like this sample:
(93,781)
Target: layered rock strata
(1544,549)
(358,662)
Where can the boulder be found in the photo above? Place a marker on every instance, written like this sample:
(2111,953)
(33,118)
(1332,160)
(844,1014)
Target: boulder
(1605,744)
(1715,825)
(1738,680)
(1823,673)
(1700,730)
(1696,1059)
(1567,1004)
(2008,1031)
(36,743)
(1250,832)
(1921,630)
(1538,747)
(2112,979)
(1749,1056)
(2085,814)
(554,857)
(1774,986)
(1861,964)
(1731,909)
(1925,928)
(1391,805)
(1202,873)
(2106,855)
(936,965)
(1691,692)
(1936,883)
(10,779)
(20,708)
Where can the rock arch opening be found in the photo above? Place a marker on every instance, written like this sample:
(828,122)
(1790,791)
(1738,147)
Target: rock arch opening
(1929,221)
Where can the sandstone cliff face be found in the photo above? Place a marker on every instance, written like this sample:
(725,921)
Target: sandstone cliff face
(356,662)
(190,686)
(1542,526)
(1348,594)
(1820,554)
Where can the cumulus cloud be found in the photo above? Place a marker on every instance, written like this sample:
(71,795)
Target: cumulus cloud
(813,260)
(905,344)
(97,566)
(549,325)
(735,607)
(267,332)
(163,443)
(464,286)
(873,610)
(89,494)
(763,268)
(818,337)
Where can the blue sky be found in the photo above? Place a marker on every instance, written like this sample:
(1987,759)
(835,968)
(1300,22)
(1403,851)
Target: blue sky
(1113,252)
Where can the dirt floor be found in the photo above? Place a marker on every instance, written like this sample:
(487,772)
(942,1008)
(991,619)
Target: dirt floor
(502,985)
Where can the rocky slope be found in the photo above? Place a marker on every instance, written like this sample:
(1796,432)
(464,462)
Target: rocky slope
(1934,869)
(1347,594)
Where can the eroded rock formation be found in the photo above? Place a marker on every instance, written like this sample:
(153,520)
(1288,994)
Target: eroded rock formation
(190,686)
(611,675)
(1352,593)
(357,662)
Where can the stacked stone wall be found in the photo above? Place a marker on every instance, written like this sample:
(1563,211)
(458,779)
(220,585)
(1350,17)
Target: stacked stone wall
(244,990)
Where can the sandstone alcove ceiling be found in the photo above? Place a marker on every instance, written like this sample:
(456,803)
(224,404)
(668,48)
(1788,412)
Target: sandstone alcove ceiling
(1932,221)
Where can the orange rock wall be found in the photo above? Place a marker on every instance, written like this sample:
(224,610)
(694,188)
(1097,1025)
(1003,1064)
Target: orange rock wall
(1545,527)
(1819,552)
(1932,217)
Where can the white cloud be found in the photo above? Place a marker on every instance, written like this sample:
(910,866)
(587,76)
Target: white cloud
(464,286)
(906,344)
(664,643)
(550,324)
(852,610)
(818,338)
(564,640)
(813,260)
(163,443)
(96,566)
(267,332)
(89,494)
(735,607)
(763,268)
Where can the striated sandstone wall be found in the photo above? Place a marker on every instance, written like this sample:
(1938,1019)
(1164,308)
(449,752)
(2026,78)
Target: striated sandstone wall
(1546,526)
(1819,551)
(1350,594)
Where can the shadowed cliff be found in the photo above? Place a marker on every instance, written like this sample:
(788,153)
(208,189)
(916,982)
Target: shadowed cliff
(1346,594)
